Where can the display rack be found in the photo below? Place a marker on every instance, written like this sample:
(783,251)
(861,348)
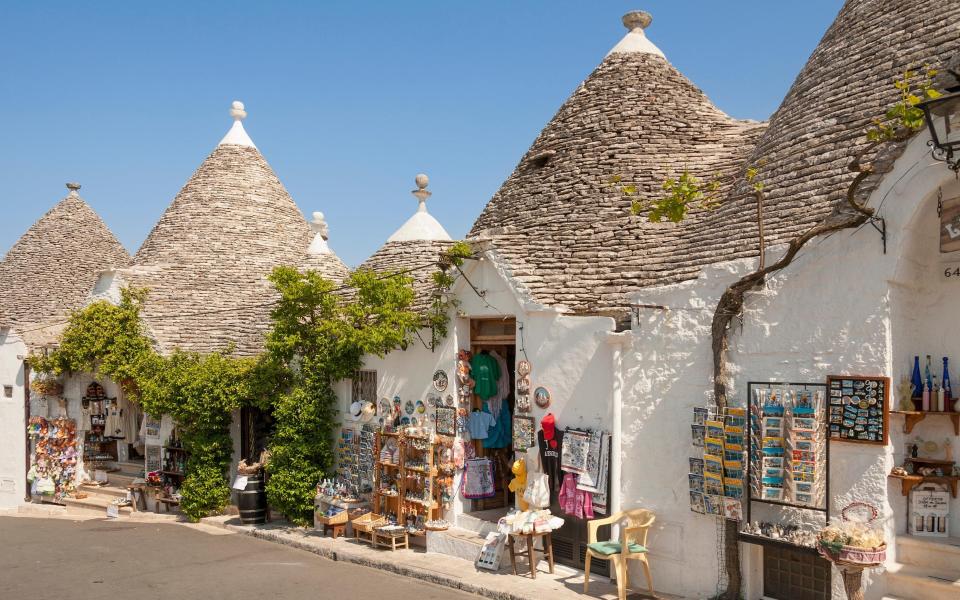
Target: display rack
(415,473)
(755,455)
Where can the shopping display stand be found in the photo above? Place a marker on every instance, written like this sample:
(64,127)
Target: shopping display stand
(415,473)
(755,468)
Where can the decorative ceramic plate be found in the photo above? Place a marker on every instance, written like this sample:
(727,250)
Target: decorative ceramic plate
(440,381)
(421,407)
(449,400)
(409,407)
(384,407)
(542,397)
(524,368)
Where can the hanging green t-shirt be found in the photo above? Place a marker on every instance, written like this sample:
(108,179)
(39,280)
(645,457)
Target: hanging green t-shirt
(485,373)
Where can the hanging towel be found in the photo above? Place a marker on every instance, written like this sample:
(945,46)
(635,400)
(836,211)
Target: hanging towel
(478,479)
(576,446)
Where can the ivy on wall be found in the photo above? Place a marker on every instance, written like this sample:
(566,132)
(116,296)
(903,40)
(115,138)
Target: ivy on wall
(319,338)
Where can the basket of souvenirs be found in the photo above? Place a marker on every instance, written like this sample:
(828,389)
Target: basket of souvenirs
(392,531)
(46,386)
(854,540)
(437,525)
(368,522)
(333,516)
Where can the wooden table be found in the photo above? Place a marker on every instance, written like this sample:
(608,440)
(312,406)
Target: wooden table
(530,552)
(391,541)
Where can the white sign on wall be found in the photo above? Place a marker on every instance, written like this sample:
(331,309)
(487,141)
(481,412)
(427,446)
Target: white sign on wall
(930,513)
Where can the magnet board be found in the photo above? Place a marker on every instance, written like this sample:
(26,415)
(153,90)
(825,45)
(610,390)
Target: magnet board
(523,433)
(858,409)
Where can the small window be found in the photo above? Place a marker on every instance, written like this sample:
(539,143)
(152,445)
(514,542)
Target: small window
(364,387)
(8,391)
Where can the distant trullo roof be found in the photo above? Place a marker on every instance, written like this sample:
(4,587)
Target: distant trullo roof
(54,265)
(207,260)
(566,234)
(416,246)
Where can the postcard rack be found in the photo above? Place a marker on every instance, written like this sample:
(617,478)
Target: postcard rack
(800,425)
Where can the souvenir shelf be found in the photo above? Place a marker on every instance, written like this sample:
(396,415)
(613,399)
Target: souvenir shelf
(405,484)
(908,482)
(788,451)
(912,417)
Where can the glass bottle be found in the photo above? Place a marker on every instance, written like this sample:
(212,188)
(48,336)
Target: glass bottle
(917,383)
(947,392)
(926,374)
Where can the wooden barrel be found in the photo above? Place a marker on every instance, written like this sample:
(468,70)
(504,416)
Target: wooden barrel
(252,501)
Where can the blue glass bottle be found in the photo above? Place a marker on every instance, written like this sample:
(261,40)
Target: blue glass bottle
(926,374)
(947,392)
(917,383)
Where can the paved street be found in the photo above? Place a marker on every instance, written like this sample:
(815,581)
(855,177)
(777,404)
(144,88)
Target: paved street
(99,560)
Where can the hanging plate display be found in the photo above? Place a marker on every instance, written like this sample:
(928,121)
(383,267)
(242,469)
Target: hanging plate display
(523,386)
(449,400)
(523,403)
(542,397)
(384,407)
(421,407)
(440,381)
(409,407)
(524,368)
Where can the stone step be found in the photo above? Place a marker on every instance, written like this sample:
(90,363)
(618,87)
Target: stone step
(90,505)
(929,552)
(911,581)
(479,526)
(108,491)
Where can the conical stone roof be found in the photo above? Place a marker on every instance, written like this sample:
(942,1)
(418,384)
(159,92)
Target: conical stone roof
(414,248)
(565,233)
(52,268)
(820,125)
(207,259)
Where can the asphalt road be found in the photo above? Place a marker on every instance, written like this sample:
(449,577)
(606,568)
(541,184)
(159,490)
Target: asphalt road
(55,559)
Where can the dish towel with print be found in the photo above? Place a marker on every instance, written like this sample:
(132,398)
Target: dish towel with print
(590,476)
(598,489)
(574,502)
(573,456)
(478,479)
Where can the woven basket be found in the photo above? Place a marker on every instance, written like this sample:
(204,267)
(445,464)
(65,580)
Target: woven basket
(338,519)
(397,532)
(368,522)
(853,556)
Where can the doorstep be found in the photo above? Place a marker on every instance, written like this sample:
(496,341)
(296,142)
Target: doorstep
(439,569)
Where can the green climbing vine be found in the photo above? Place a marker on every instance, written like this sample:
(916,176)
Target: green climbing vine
(438,318)
(198,391)
(319,338)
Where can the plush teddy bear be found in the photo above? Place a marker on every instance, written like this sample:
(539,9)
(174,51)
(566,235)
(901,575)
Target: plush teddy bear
(519,482)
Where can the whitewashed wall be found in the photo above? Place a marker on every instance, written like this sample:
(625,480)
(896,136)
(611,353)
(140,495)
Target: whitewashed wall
(571,356)
(842,307)
(12,424)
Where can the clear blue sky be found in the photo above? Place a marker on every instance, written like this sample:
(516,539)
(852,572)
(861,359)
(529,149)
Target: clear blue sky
(346,100)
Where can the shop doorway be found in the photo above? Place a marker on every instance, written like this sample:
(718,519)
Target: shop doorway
(497,337)
(256,426)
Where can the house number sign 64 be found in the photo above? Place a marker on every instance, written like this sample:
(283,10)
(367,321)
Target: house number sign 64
(952,271)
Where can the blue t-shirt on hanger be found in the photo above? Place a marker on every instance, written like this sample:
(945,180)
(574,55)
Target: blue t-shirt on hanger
(479,423)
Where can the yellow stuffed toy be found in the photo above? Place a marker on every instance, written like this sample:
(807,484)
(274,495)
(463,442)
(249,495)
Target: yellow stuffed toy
(519,483)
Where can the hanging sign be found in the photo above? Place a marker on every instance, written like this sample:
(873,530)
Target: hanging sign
(950,225)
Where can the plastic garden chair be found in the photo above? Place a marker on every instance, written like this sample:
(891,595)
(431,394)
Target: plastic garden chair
(631,546)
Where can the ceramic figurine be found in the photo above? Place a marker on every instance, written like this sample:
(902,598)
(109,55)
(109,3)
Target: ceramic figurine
(905,392)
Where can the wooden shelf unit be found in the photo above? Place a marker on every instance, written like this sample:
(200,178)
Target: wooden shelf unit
(399,506)
(908,482)
(912,417)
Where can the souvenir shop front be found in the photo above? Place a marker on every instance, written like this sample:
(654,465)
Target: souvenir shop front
(86,442)
(511,414)
(845,412)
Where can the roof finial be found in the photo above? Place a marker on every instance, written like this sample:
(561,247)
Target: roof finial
(421,193)
(319,225)
(237,112)
(74,188)
(637,18)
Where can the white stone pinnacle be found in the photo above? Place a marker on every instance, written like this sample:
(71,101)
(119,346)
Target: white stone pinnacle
(237,135)
(636,42)
(422,225)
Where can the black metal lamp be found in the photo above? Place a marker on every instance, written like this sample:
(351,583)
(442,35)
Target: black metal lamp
(943,121)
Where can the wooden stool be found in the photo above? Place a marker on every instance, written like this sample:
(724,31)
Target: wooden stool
(531,553)
(335,531)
